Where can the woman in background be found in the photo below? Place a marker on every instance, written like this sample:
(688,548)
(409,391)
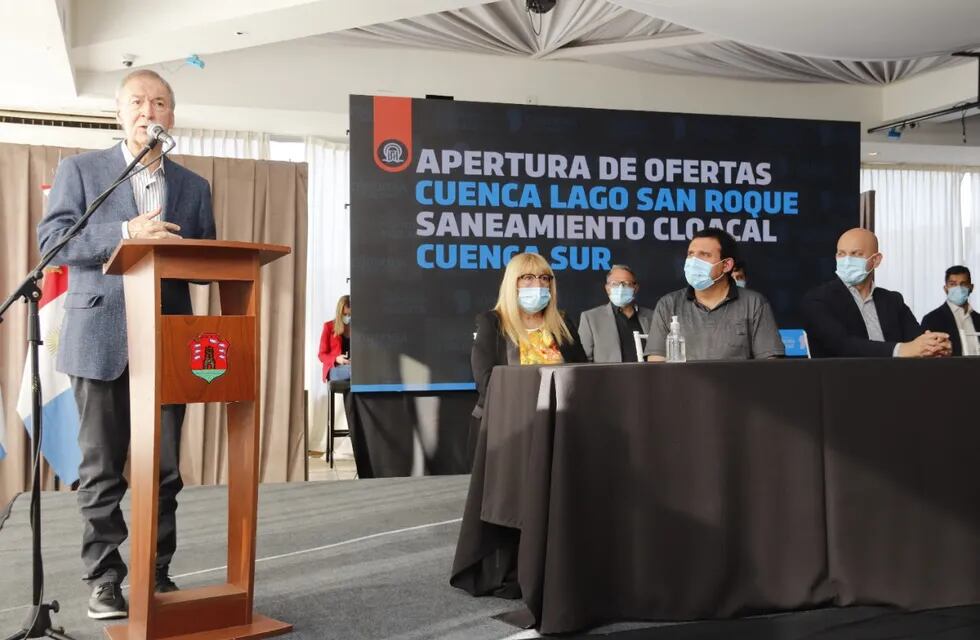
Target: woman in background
(335,343)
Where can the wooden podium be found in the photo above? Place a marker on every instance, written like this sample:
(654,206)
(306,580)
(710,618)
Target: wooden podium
(186,359)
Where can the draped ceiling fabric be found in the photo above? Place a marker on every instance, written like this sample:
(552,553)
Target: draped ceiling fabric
(504,28)
(638,41)
(254,201)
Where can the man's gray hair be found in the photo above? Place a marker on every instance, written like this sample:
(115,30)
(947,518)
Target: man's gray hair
(145,73)
(620,266)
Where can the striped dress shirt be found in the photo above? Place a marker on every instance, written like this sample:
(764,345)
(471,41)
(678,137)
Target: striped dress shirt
(149,188)
(870,314)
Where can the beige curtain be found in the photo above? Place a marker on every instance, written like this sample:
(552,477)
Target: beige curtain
(254,201)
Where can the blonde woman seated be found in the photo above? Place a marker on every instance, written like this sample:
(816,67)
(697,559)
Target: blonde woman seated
(525,327)
(335,343)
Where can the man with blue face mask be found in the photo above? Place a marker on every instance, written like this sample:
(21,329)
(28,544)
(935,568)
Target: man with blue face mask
(955,316)
(851,317)
(738,273)
(607,330)
(718,320)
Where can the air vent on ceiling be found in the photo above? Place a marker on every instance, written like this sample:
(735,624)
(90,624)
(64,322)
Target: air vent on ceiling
(77,121)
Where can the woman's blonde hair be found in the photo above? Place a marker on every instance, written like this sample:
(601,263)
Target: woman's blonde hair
(338,318)
(510,311)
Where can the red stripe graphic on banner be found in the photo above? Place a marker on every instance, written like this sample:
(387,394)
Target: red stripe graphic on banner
(392,133)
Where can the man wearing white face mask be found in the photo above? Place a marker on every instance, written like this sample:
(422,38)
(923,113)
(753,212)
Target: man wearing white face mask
(718,320)
(607,330)
(955,316)
(851,317)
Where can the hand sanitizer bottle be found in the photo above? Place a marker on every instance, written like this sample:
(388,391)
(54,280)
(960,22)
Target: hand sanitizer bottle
(676,349)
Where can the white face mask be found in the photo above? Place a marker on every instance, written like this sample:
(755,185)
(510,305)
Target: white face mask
(346,319)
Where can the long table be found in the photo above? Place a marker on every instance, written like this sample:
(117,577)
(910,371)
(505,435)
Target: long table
(717,489)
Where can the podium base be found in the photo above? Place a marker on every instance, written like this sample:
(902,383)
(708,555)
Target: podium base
(261,627)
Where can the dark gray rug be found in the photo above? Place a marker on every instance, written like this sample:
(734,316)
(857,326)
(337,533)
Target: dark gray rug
(370,559)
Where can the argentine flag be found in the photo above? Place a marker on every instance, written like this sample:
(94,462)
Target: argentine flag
(60,423)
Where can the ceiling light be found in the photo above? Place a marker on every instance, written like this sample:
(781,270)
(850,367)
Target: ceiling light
(873,154)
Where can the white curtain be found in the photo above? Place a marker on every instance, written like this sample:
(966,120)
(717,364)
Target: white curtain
(919,222)
(971,226)
(222,144)
(328,265)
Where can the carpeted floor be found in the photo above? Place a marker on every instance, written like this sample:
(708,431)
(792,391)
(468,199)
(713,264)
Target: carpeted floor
(370,559)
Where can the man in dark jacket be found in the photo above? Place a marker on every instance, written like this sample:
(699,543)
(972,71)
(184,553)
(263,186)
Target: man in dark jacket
(955,316)
(851,317)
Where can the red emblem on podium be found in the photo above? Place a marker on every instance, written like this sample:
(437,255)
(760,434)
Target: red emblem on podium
(209,356)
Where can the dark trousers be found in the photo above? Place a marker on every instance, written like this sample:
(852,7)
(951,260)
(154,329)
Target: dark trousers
(103,438)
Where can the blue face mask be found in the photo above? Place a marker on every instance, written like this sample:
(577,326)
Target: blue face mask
(958,295)
(533,299)
(740,284)
(621,296)
(698,273)
(852,269)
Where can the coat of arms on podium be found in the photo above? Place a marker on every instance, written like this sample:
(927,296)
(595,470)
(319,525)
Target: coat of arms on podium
(209,356)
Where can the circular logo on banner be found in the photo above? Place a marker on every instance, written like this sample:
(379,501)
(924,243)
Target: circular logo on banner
(392,153)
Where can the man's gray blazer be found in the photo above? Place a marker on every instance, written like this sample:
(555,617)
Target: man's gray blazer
(93,336)
(600,338)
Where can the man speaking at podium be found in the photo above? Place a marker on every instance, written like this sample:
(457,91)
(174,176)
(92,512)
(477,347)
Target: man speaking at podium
(163,201)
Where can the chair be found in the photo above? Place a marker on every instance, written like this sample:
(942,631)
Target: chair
(637,340)
(795,343)
(334,387)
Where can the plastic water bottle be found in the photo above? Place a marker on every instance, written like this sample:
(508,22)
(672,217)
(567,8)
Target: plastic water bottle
(676,348)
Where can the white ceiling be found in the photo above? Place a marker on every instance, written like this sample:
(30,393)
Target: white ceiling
(612,33)
(833,29)
(287,66)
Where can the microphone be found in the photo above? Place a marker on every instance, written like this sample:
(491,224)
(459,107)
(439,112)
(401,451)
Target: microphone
(158,133)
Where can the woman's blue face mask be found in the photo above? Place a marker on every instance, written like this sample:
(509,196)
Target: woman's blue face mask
(533,299)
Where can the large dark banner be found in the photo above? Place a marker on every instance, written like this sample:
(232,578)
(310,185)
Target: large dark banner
(444,192)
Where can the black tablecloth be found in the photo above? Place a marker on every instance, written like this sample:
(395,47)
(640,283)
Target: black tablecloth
(410,433)
(716,489)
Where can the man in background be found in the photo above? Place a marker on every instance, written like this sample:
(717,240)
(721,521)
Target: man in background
(738,275)
(160,202)
(955,316)
(851,317)
(607,330)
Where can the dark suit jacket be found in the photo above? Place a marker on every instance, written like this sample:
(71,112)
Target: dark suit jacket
(93,335)
(491,348)
(942,319)
(835,326)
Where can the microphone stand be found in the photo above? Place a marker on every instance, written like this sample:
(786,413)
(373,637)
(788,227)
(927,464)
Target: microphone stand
(37,623)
